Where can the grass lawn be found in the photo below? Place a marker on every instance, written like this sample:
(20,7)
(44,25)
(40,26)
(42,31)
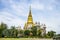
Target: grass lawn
(24,39)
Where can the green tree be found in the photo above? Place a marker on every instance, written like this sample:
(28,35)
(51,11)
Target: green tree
(34,31)
(51,33)
(39,33)
(27,33)
(13,31)
(58,34)
(6,33)
(2,27)
(20,33)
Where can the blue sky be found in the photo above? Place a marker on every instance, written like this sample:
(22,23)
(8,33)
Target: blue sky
(15,12)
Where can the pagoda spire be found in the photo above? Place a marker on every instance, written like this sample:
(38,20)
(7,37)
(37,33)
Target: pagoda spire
(29,22)
(30,19)
(30,11)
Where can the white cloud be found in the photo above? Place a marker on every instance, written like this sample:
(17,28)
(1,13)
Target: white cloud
(50,8)
(12,20)
(37,6)
(19,10)
(52,21)
(13,10)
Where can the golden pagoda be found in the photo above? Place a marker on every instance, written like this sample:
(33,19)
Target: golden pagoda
(29,22)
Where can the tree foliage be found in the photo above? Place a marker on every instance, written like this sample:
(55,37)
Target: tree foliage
(34,30)
(2,27)
(26,32)
(39,33)
(51,33)
(13,32)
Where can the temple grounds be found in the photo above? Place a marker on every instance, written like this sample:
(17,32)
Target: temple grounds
(25,39)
